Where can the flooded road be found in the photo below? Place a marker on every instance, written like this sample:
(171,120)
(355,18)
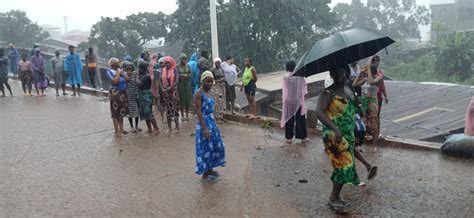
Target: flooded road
(59,158)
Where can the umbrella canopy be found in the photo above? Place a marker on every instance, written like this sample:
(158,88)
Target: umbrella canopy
(341,49)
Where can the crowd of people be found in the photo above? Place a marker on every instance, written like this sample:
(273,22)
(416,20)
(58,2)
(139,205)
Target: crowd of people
(349,107)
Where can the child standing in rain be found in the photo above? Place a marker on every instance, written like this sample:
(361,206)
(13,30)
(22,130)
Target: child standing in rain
(210,148)
(26,74)
(4,73)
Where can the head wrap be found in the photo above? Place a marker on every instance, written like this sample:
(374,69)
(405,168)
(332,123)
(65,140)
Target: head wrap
(205,75)
(168,75)
(183,56)
(113,61)
(217,60)
(161,60)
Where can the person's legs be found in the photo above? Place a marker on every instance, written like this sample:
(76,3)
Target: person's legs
(56,86)
(155,125)
(120,121)
(116,127)
(64,88)
(187,112)
(301,128)
(335,200)
(148,124)
(42,91)
(336,192)
(289,129)
(130,120)
(73,90)
(2,89)
(23,82)
(79,89)
(9,88)
(29,83)
(92,73)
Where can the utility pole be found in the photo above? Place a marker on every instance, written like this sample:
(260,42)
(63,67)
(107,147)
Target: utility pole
(215,41)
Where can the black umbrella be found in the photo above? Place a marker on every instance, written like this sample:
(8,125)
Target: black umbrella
(341,49)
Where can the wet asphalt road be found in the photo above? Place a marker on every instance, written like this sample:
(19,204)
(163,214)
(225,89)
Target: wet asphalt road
(58,157)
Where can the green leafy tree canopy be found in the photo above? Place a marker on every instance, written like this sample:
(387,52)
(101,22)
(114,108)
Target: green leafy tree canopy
(16,27)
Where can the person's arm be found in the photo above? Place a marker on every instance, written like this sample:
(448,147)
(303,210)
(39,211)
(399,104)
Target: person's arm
(384,92)
(323,104)
(254,74)
(87,59)
(176,80)
(358,81)
(197,105)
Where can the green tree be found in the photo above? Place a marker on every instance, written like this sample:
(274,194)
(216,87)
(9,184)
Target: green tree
(16,27)
(268,31)
(455,55)
(115,36)
(399,19)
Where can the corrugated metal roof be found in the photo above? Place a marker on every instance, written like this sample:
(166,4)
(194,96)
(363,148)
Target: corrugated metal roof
(422,111)
(442,2)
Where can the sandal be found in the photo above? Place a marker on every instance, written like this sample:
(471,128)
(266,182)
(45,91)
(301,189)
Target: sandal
(372,172)
(338,207)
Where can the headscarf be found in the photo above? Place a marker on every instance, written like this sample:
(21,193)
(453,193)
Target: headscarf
(37,51)
(168,75)
(217,60)
(182,57)
(161,60)
(113,61)
(205,75)
(151,67)
(293,91)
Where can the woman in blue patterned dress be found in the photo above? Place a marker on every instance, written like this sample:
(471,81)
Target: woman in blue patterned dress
(210,148)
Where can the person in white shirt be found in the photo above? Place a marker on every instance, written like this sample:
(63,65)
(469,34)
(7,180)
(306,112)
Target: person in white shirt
(230,74)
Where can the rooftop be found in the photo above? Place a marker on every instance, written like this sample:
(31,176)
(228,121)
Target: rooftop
(442,2)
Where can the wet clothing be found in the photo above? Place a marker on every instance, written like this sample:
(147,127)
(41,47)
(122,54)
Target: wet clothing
(184,85)
(230,75)
(26,74)
(195,72)
(300,130)
(250,86)
(122,85)
(60,76)
(371,107)
(73,66)
(168,77)
(210,153)
(39,77)
(13,56)
(145,98)
(118,103)
(341,112)
(218,92)
(3,70)
(132,96)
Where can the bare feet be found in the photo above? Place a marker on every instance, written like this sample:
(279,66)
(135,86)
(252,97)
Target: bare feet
(289,141)
(304,141)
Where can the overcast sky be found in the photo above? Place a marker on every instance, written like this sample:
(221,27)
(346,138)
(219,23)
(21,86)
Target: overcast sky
(82,14)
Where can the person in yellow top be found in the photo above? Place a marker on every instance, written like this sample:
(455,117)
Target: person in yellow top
(249,79)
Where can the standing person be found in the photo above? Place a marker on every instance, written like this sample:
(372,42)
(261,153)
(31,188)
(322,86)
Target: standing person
(355,71)
(151,71)
(132,95)
(118,95)
(168,83)
(13,56)
(157,81)
(142,58)
(60,76)
(369,81)
(26,74)
(145,98)
(249,80)
(218,91)
(4,73)
(293,91)
(381,92)
(210,148)
(469,119)
(184,87)
(39,76)
(193,64)
(336,110)
(230,74)
(73,68)
(32,51)
(91,63)
(204,63)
